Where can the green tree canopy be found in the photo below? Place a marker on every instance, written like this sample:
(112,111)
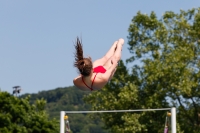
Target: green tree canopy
(17,115)
(69,99)
(167,75)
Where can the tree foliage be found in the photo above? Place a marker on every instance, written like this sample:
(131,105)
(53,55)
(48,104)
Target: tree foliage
(168,75)
(124,93)
(69,99)
(17,115)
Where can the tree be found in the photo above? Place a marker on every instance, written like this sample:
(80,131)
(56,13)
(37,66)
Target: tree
(17,115)
(168,74)
(122,93)
(68,99)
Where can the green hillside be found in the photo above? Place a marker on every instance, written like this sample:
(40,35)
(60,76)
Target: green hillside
(68,99)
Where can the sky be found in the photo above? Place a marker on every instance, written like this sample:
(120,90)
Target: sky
(37,37)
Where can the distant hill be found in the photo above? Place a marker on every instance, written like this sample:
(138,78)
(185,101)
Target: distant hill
(68,99)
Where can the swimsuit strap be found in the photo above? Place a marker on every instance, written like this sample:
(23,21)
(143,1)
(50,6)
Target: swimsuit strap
(86,84)
(93,80)
(91,84)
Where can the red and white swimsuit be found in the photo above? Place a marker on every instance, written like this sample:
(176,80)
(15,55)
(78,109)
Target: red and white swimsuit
(98,69)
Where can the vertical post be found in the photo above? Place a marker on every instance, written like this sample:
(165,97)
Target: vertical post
(62,122)
(173,119)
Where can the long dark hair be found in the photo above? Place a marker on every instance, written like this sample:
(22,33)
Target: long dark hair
(84,65)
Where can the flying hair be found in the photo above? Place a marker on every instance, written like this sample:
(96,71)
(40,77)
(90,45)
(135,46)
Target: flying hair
(79,53)
(84,65)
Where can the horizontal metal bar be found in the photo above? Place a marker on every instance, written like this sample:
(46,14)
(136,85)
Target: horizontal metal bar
(111,111)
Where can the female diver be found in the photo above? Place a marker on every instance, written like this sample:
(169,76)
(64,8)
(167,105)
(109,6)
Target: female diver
(94,75)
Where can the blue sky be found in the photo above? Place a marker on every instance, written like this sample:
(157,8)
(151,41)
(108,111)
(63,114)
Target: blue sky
(36,37)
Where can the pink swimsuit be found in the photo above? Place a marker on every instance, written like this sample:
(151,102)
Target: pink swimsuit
(98,69)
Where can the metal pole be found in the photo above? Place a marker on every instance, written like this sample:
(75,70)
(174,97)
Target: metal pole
(62,122)
(173,119)
(111,111)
